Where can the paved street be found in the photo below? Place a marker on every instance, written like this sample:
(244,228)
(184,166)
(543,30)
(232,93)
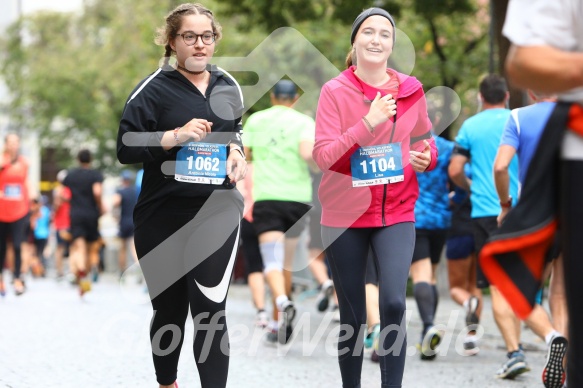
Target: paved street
(49,337)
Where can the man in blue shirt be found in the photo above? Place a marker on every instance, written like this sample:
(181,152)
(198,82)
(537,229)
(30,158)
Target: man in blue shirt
(478,141)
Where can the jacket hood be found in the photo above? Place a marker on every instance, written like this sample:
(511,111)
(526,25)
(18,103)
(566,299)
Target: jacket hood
(407,84)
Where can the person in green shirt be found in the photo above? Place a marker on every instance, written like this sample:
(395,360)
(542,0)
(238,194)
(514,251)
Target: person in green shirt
(279,142)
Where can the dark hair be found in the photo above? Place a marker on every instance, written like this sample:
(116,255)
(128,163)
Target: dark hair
(174,22)
(493,89)
(84,156)
(285,90)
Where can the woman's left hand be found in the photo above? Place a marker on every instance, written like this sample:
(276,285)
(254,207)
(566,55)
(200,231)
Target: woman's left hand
(236,166)
(421,160)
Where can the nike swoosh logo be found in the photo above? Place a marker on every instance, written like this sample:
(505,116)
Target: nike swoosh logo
(218,293)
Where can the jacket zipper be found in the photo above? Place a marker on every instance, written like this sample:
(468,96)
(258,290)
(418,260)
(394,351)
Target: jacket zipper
(386,184)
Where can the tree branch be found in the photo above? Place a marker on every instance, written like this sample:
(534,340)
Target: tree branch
(434,36)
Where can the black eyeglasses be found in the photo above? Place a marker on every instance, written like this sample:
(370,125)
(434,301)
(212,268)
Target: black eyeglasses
(190,37)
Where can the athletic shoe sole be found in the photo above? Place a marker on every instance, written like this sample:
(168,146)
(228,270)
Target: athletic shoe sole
(553,373)
(289,313)
(471,348)
(430,343)
(271,337)
(471,316)
(515,370)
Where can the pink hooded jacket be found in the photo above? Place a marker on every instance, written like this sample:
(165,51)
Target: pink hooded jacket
(340,131)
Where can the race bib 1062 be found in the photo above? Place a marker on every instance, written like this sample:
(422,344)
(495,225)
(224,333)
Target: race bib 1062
(202,163)
(377,165)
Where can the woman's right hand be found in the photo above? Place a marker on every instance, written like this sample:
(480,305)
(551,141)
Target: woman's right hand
(381,109)
(195,129)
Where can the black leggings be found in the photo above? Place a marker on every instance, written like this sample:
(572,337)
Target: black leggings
(347,251)
(17,230)
(187,256)
(251,251)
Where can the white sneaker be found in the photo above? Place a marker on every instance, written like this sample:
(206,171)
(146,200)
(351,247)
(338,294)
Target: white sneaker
(471,345)
(261,319)
(336,313)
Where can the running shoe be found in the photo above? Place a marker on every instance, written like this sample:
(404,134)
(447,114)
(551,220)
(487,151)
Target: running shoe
(84,286)
(94,274)
(471,316)
(374,356)
(261,319)
(471,345)
(335,313)
(553,374)
(271,337)
(514,366)
(72,279)
(19,287)
(326,291)
(431,341)
(372,336)
(288,314)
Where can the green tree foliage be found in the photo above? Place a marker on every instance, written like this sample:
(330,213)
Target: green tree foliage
(70,74)
(449,36)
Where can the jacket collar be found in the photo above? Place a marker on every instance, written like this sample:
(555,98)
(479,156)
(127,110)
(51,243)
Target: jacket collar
(171,72)
(407,84)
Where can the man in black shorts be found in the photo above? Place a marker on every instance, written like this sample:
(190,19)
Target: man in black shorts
(279,142)
(86,208)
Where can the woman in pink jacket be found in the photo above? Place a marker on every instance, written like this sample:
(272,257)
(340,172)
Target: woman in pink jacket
(372,135)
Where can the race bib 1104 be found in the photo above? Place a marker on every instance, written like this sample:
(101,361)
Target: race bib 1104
(377,165)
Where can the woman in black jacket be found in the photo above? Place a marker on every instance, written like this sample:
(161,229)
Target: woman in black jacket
(183,123)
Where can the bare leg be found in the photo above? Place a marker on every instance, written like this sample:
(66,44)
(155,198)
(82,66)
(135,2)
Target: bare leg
(539,322)
(122,255)
(462,281)
(59,254)
(78,255)
(558,298)
(507,322)
(318,266)
(372,305)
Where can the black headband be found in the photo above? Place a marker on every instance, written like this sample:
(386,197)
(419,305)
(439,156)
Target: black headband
(366,14)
